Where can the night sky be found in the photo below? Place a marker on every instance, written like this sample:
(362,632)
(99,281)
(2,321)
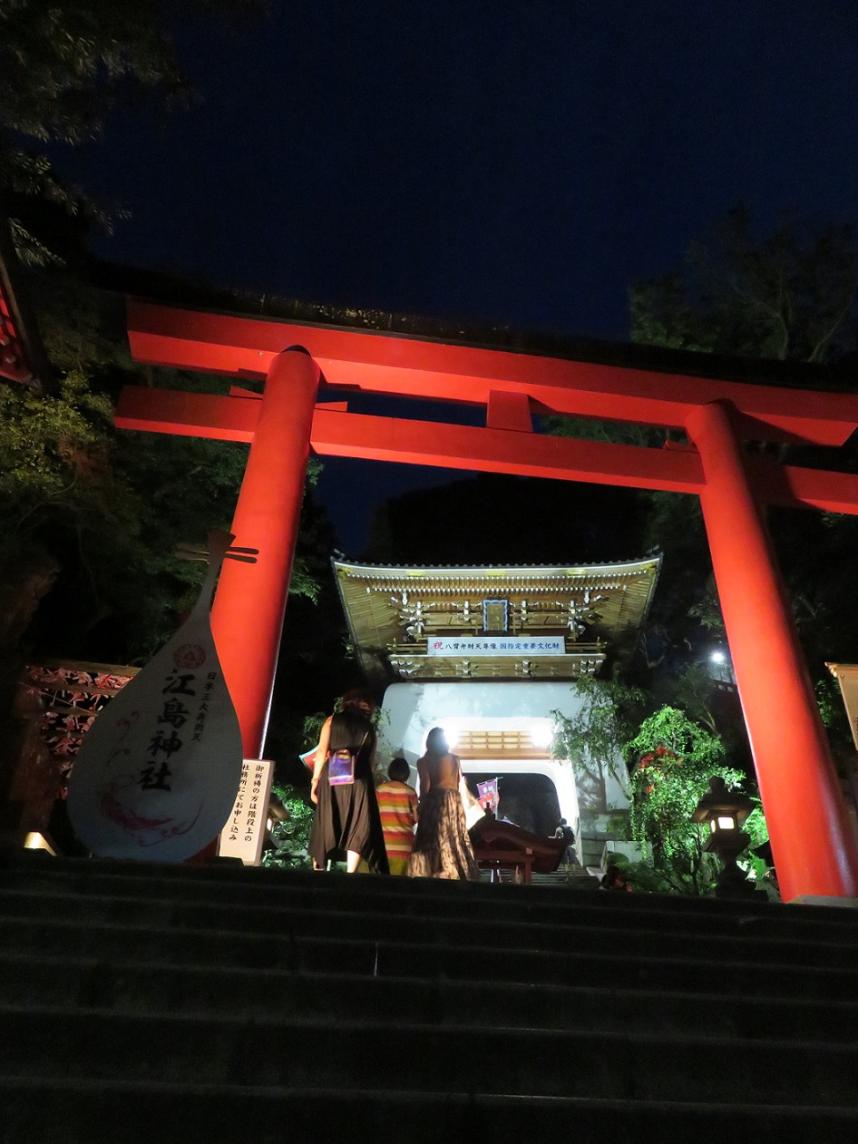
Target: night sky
(520,162)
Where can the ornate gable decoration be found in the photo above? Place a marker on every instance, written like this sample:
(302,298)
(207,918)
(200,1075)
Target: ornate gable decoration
(529,622)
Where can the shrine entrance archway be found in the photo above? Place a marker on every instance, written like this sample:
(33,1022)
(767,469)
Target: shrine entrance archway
(814,848)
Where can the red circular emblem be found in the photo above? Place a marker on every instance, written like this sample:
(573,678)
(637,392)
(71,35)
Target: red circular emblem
(189,655)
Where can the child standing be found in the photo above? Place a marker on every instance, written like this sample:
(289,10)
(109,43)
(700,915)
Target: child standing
(397,804)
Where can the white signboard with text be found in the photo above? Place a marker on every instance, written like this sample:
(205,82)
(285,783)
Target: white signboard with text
(496,645)
(156,774)
(244,834)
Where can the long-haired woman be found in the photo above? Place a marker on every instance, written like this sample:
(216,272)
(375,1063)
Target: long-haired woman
(442,848)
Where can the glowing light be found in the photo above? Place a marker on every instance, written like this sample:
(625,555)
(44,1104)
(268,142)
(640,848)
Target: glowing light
(542,734)
(37,841)
(451,734)
(722,822)
(718,657)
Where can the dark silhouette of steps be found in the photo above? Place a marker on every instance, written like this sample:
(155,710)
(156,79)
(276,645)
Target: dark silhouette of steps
(161,1004)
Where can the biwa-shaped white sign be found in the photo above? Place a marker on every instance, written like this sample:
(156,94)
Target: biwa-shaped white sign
(157,773)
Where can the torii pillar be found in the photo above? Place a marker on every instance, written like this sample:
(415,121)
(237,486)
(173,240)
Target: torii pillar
(799,787)
(250,600)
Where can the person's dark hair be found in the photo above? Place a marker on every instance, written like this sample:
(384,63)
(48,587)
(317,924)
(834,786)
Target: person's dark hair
(351,730)
(436,742)
(356,697)
(614,878)
(399,770)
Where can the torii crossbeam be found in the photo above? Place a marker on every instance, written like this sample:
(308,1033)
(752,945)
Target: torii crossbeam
(812,840)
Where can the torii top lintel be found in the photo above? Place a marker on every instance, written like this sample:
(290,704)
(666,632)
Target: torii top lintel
(410,366)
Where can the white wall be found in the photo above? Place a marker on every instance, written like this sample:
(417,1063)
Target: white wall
(409,711)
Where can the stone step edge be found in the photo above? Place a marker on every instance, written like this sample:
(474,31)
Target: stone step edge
(570,927)
(98,1088)
(811,912)
(272,1025)
(718,965)
(839,1006)
(395,888)
(426,892)
(372,885)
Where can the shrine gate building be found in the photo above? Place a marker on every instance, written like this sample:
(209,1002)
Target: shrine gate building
(490,653)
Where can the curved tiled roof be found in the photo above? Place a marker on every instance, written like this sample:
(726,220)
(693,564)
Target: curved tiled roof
(392,610)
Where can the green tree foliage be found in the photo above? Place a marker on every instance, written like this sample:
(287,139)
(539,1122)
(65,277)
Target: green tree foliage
(602,725)
(290,835)
(788,294)
(596,735)
(694,690)
(65,65)
(674,754)
(676,757)
(106,509)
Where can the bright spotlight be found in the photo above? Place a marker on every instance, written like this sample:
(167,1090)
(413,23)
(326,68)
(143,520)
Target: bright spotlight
(451,734)
(541,734)
(717,657)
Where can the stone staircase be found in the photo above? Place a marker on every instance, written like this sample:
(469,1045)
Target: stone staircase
(590,847)
(184,1004)
(573,877)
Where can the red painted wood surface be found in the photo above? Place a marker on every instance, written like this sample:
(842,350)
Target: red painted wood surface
(414,367)
(813,844)
(250,602)
(336,433)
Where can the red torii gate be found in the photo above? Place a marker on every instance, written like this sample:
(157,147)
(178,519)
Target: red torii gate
(814,848)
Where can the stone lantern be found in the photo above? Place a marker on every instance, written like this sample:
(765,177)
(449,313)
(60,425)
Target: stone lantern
(725,811)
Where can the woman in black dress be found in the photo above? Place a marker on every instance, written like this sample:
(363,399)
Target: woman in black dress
(347,821)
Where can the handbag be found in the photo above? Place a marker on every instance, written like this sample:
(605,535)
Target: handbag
(341,765)
(341,768)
